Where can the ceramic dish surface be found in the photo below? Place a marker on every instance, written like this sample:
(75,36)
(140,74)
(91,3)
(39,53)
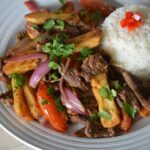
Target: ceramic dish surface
(11,21)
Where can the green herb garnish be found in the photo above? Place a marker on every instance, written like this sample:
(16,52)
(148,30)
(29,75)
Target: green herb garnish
(108,93)
(129,109)
(62,1)
(19,80)
(94,117)
(59,105)
(54,76)
(53,65)
(117,86)
(36,27)
(105,92)
(50,90)
(85,52)
(54,24)
(104,114)
(113,92)
(44,101)
(49,24)
(96,15)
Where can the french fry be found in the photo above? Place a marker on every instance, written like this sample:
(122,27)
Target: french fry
(32,33)
(31,100)
(20,105)
(108,105)
(41,17)
(90,40)
(144,112)
(20,66)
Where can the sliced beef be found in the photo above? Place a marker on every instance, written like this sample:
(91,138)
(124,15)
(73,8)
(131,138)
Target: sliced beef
(93,65)
(96,131)
(91,130)
(127,95)
(74,79)
(133,87)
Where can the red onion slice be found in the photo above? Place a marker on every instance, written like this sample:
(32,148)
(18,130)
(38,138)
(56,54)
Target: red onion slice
(32,6)
(39,73)
(41,56)
(70,101)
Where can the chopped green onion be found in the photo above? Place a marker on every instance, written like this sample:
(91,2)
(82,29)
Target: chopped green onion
(129,109)
(104,114)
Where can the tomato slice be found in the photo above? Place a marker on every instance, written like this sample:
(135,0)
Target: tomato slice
(57,119)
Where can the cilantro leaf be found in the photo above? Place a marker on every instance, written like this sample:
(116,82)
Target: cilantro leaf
(49,24)
(50,90)
(86,52)
(54,76)
(94,117)
(62,1)
(104,114)
(53,65)
(54,24)
(19,80)
(59,105)
(105,92)
(36,27)
(117,85)
(44,101)
(59,24)
(113,92)
(129,109)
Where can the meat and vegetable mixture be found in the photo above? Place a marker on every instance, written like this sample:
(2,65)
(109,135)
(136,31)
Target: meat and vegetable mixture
(58,73)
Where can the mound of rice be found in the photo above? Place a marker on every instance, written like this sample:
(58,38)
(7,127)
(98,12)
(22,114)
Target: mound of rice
(130,50)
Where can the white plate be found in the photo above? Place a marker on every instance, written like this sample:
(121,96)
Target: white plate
(12,20)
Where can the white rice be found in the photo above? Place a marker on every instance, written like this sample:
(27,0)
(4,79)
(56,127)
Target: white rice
(131,50)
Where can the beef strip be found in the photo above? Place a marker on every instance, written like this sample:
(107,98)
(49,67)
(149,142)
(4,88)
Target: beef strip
(93,65)
(91,130)
(74,79)
(133,87)
(96,131)
(126,94)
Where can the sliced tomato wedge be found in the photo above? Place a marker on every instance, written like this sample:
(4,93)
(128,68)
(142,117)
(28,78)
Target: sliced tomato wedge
(47,104)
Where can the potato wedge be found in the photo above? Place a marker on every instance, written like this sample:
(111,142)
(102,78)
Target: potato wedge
(31,100)
(32,33)
(20,105)
(90,40)
(41,17)
(108,105)
(20,66)
(144,112)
